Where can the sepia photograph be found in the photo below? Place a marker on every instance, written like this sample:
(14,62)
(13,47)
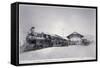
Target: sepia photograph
(56,34)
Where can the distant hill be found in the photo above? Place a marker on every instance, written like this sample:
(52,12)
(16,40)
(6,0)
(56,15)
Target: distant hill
(90,37)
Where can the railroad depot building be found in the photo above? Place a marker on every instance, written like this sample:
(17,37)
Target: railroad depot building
(75,38)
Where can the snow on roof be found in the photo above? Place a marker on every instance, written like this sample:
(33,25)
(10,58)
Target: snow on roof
(75,34)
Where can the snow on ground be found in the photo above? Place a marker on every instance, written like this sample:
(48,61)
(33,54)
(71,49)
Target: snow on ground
(74,51)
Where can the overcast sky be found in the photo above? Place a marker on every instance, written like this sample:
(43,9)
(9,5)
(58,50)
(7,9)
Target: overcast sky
(56,20)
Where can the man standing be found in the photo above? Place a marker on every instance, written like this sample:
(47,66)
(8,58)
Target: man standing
(31,39)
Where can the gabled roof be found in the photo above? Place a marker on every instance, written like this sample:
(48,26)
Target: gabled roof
(74,34)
